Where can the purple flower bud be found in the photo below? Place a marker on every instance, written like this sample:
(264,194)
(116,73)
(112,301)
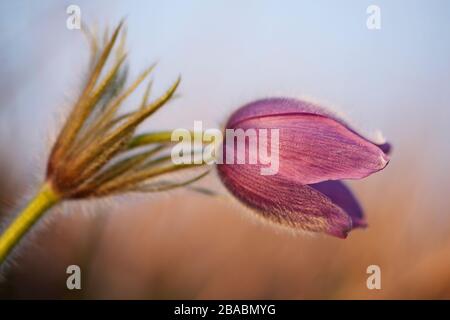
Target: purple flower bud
(315,150)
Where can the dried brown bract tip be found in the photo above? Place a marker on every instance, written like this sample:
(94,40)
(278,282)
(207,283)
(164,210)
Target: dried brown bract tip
(96,151)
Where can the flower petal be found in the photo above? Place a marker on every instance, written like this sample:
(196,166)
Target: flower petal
(342,196)
(285,202)
(385,147)
(313,148)
(282,106)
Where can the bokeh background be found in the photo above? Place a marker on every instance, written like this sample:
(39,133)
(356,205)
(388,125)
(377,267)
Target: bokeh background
(187,245)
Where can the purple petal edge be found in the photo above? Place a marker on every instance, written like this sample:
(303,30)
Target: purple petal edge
(315,148)
(285,202)
(279,106)
(343,197)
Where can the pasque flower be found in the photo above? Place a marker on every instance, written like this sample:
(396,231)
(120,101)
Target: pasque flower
(97,153)
(316,150)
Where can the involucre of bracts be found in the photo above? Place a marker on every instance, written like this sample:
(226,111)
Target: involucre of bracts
(97,152)
(94,154)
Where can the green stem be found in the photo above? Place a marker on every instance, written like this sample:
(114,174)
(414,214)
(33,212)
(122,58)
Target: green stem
(43,201)
(149,138)
(153,137)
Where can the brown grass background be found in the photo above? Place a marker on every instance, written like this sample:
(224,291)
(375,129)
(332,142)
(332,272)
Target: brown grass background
(190,246)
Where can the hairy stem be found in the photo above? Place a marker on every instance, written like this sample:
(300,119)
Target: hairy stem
(43,201)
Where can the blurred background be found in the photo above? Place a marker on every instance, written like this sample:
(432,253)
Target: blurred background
(186,245)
